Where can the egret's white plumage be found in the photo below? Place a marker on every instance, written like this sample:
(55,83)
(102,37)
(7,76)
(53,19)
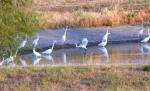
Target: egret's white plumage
(64,35)
(83,44)
(35,41)
(104,39)
(23,43)
(49,51)
(37,54)
(106,35)
(146,39)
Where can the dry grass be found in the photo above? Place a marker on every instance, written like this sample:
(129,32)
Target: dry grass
(142,15)
(91,13)
(116,16)
(89,78)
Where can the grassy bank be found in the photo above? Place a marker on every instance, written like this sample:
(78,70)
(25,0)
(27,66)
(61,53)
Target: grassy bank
(105,78)
(92,13)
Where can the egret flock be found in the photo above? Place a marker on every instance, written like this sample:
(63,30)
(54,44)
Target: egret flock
(47,53)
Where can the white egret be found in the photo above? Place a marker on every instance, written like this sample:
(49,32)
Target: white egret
(140,33)
(23,43)
(35,41)
(37,54)
(83,44)
(64,35)
(146,39)
(49,51)
(104,39)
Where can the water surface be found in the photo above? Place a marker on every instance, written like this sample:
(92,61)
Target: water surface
(112,54)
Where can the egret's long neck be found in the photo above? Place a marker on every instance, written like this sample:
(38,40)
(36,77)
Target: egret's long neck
(53,46)
(65,31)
(33,50)
(76,45)
(107,32)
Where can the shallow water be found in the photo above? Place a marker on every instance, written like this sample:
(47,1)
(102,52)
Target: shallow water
(112,54)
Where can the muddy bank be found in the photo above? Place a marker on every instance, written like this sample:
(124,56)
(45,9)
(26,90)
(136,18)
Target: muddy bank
(119,34)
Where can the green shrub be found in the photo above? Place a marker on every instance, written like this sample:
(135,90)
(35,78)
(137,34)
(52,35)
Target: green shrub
(146,68)
(15,22)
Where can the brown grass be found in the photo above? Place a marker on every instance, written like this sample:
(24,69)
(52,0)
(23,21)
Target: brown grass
(91,13)
(116,16)
(89,78)
(142,15)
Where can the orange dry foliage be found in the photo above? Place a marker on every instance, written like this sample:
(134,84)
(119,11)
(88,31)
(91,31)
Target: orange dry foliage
(116,16)
(91,13)
(143,15)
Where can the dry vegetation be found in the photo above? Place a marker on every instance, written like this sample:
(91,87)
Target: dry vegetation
(91,13)
(89,78)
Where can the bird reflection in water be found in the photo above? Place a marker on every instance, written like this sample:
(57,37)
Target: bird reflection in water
(11,64)
(36,60)
(144,48)
(64,58)
(22,61)
(104,51)
(49,58)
